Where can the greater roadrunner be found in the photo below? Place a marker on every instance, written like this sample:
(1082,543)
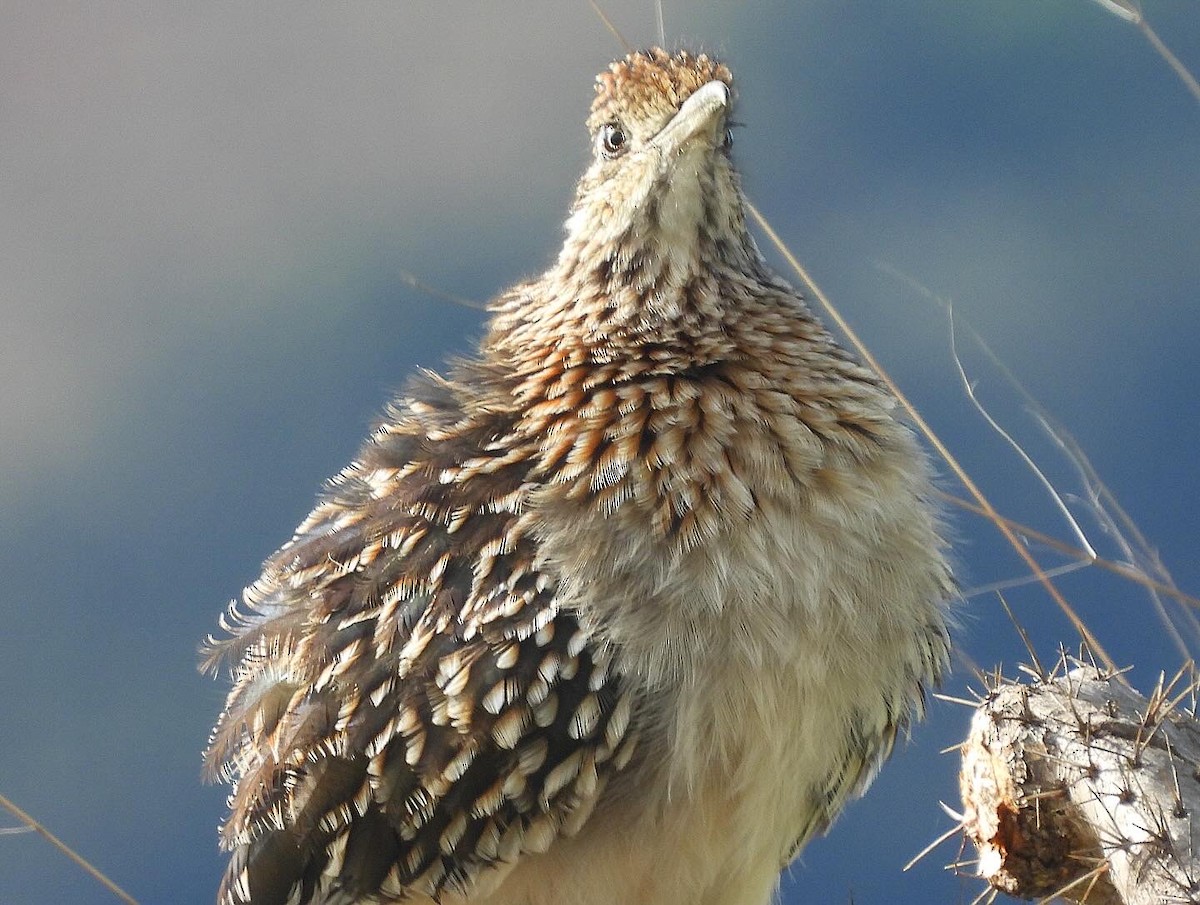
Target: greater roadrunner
(621,611)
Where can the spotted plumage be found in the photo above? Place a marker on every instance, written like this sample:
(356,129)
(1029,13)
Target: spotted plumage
(625,608)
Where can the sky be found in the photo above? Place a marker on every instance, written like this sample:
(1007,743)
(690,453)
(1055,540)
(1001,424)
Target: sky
(207,212)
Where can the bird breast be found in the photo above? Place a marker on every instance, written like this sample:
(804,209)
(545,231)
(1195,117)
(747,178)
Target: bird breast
(775,624)
(790,548)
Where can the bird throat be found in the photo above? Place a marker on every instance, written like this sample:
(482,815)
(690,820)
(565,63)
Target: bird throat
(656,297)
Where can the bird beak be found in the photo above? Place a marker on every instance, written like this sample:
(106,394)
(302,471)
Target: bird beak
(699,112)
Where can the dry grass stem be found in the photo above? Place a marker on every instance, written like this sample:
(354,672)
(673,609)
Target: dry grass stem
(411,279)
(1032,534)
(613,30)
(1116,522)
(969,388)
(1189,80)
(1025,639)
(952,462)
(94,872)
(1144,565)
(1132,12)
(1123,9)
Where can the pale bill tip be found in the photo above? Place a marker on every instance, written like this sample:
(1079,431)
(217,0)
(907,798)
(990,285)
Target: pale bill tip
(696,112)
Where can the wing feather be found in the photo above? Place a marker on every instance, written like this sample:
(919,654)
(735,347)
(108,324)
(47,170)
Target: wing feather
(412,705)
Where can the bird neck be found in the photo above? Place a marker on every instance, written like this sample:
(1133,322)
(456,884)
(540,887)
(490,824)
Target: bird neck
(655,297)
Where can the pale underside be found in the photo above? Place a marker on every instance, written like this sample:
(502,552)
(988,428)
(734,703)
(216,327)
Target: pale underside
(813,684)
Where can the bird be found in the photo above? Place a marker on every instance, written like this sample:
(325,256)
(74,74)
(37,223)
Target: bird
(625,606)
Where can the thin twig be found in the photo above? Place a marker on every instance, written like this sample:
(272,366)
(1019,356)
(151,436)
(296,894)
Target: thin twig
(66,850)
(984,503)
(1029,648)
(1123,9)
(969,388)
(1125,571)
(1189,80)
(410,279)
(1102,503)
(1005,584)
(1132,12)
(1116,522)
(612,28)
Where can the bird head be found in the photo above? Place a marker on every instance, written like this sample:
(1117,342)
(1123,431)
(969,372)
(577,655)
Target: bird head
(656,236)
(661,184)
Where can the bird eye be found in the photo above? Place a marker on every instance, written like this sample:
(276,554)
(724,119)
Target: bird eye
(613,139)
(727,139)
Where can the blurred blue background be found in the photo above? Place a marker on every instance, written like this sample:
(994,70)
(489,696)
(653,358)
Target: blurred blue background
(205,212)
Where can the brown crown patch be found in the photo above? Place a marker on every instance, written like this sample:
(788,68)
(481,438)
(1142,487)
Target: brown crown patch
(651,84)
